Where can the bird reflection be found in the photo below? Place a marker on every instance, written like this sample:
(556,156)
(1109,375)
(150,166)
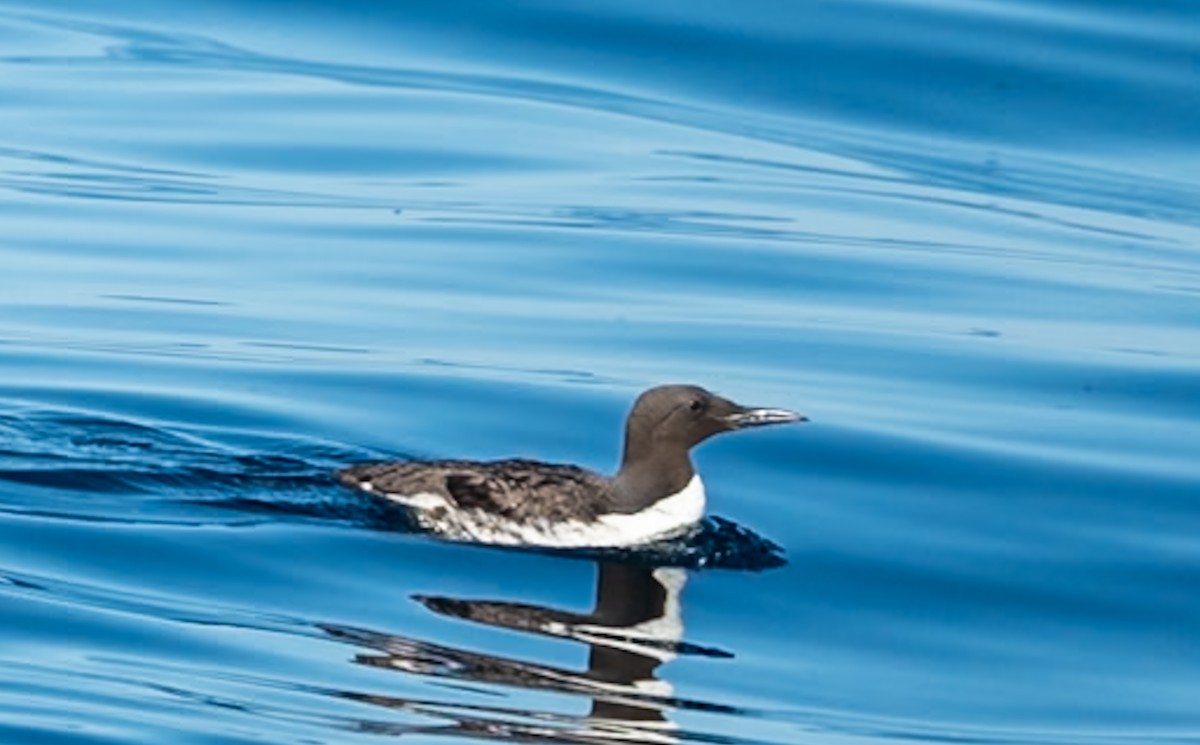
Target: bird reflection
(635,626)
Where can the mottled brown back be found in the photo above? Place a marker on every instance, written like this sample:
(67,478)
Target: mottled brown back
(517,489)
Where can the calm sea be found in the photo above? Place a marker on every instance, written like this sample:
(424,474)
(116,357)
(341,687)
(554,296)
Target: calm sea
(245,243)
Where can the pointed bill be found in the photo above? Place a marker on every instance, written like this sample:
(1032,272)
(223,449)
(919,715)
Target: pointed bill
(761,417)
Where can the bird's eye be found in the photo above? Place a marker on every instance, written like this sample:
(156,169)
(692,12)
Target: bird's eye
(696,405)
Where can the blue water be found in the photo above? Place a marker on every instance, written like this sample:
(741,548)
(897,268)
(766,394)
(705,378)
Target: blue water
(244,244)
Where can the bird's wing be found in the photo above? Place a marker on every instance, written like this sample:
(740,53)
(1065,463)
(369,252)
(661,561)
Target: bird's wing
(521,489)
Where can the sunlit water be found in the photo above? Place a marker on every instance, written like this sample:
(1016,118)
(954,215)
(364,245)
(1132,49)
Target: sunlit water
(245,244)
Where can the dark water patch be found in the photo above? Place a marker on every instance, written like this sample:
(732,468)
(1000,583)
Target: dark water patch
(130,189)
(151,606)
(715,543)
(326,502)
(76,163)
(308,347)
(165,300)
(562,374)
(97,468)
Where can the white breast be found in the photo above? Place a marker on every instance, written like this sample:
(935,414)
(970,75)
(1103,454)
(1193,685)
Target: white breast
(665,516)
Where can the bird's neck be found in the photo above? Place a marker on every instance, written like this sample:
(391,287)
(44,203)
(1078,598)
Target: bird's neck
(642,481)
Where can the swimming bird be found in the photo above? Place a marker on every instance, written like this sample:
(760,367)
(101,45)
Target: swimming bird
(655,493)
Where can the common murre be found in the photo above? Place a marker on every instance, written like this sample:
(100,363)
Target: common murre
(655,493)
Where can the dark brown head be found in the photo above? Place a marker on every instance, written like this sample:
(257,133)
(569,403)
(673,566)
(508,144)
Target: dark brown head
(667,421)
(680,416)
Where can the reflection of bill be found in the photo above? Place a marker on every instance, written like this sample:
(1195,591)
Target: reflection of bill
(635,626)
